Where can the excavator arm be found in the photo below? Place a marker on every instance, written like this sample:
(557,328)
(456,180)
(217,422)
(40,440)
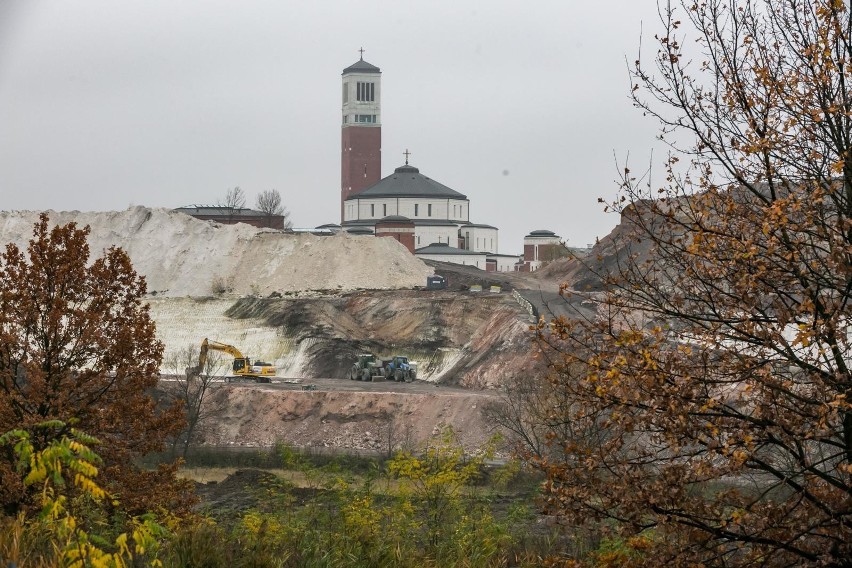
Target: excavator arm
(242,366)
(206,346)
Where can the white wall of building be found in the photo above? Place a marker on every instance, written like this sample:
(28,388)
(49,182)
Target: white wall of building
(456,210)
(352,106)
(480,239)
(505,263)
(428,234)
(477,260)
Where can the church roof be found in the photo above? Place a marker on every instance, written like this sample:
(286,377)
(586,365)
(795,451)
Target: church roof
(361,66)
(394,219)
(444,248)
(407,181)
(219,211)
(479,226)
(542,233)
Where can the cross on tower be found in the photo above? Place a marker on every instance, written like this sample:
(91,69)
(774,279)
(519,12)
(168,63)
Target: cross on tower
(362,53)
(406,153)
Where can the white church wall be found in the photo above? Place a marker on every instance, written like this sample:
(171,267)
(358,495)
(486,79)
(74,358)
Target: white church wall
(476,260)
(413,208)
(426,235)
(505,263)
(480,239)
(353,107)
(418,208)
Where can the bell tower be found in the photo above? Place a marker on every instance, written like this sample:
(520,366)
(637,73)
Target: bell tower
(361,129)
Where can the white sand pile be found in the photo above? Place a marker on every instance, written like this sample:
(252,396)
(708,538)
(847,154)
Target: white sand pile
(182,256)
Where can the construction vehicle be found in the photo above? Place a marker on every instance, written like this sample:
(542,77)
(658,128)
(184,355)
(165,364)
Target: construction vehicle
(242,368)
(366,368)
(399,368)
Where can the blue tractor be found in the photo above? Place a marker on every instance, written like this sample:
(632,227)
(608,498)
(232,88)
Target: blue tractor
(399,368)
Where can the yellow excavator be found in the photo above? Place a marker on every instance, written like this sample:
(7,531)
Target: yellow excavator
(259,371)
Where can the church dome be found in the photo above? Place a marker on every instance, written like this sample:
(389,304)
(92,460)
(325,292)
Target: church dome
(407,181)
(542,233)
(395,219)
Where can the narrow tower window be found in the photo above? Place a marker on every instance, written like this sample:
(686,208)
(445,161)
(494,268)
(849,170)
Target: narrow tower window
(366,92)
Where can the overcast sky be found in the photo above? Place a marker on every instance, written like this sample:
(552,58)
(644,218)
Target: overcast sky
(521,106)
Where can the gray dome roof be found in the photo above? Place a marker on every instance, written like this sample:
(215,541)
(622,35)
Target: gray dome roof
(444,248)
(407,181)
(361,66)
(542,233)
(394,219)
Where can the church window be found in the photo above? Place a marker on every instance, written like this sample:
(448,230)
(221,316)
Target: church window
(366,91)
(345,93)
(384,209)
(365,118)
(416,207)
(418,240)
(430,210)
(372,209)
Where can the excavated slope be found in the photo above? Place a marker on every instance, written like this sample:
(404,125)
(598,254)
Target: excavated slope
(310,304)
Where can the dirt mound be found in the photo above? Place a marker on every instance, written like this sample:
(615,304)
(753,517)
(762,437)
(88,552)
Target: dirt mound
(183,256)
(605,258)
(262,416)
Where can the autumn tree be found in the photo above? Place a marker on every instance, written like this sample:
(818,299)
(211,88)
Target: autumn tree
(77,345)
(269,203)
(718,362)
(191,387)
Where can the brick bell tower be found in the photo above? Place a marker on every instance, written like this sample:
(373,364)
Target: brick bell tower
(361,132)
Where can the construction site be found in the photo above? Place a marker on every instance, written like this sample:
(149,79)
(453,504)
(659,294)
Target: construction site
(320,341)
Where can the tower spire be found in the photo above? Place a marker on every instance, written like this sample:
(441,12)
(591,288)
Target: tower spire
(406,153)
(362,53)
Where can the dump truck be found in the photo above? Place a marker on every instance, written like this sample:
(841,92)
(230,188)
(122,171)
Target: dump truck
(242,367)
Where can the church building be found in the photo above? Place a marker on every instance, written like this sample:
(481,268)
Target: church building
(407,205)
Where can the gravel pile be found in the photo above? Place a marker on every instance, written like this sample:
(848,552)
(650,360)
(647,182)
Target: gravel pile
(183,256)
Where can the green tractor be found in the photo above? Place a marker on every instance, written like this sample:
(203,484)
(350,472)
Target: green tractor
(366,368)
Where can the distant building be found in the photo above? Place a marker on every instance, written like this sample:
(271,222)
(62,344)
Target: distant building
(231,216)
(542,246)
